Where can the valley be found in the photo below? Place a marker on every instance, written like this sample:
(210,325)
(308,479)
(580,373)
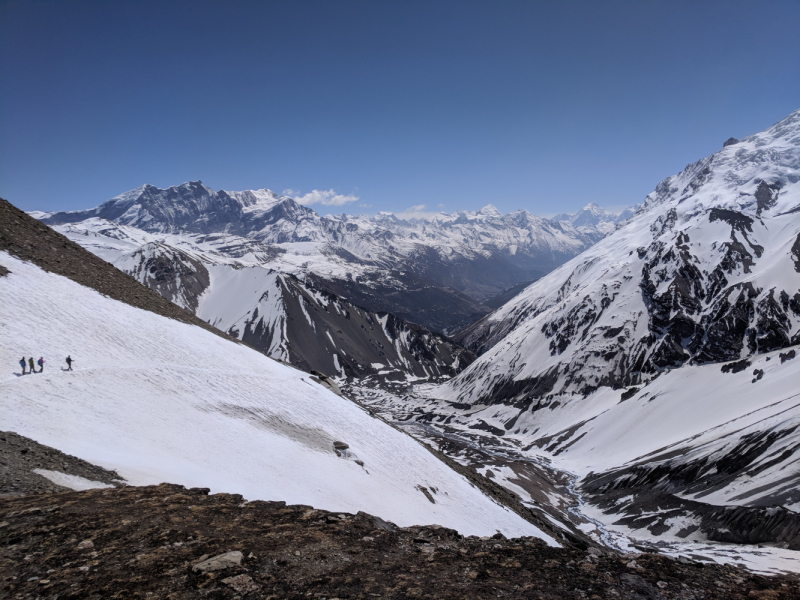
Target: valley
(612,384)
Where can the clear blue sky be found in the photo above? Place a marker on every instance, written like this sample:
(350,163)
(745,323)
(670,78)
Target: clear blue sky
(537,105)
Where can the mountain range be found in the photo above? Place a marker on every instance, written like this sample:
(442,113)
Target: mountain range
(436,272)
(631,377)
(343,295)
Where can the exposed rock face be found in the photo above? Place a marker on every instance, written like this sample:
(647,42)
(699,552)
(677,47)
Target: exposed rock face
(172,542)
(176,275)
(705,272)
(639,499)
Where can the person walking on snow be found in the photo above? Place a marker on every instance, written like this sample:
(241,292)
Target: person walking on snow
(41,364)
(30,362)
(69,363)
(22,364)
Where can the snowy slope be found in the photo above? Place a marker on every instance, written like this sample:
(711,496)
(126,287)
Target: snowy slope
(704,452)
(434,272)
(160,400)
(708,270)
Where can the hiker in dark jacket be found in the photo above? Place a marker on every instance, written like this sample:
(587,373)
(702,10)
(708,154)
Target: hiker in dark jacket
(30,362)
(22,364)
(69,363)
(41,364)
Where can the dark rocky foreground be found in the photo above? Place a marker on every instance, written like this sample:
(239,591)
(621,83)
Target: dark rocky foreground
(156,542)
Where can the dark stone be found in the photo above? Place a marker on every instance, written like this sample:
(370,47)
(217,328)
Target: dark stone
(735,367)
(766,195)
(628,394)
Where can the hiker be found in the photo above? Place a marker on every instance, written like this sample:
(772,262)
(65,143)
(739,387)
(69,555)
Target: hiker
(22,364)
(69,363)
(41,364)
(30,362)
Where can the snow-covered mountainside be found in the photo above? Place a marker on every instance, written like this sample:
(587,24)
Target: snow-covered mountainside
(703,457)
(293,321)
(660,365)
(433,272)
(707,270)
(160,400)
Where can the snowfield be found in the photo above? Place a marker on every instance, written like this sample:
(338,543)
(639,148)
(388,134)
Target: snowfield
(160,400)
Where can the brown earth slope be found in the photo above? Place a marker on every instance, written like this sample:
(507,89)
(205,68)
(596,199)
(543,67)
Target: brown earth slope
(148,542)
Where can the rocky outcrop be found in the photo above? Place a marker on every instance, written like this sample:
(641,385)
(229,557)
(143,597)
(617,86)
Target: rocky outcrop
(21,457)
(176,275)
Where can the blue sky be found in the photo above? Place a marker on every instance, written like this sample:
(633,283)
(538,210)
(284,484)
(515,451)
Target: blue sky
(452,105)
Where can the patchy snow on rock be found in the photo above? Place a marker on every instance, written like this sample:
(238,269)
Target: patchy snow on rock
(73,482)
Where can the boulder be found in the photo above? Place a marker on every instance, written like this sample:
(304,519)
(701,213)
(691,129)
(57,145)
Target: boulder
(220,562)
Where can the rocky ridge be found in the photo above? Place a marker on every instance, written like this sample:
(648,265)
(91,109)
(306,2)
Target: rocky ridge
(169,541)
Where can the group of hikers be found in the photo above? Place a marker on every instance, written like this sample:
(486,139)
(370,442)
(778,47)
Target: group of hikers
(23,363)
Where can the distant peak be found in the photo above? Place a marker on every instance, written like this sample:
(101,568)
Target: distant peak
(490,210)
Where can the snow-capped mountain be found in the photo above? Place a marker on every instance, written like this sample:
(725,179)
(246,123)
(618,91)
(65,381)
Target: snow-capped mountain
(659,366)
(706,271)
(433,272)
(593,219)
(293,321)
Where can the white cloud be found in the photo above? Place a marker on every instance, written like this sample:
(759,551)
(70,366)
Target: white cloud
(365,205)
(324,197)
(417,212)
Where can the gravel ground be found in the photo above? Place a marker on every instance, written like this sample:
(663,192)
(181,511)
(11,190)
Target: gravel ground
(155,542)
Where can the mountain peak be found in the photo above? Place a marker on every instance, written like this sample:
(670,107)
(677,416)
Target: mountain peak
(490,210)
